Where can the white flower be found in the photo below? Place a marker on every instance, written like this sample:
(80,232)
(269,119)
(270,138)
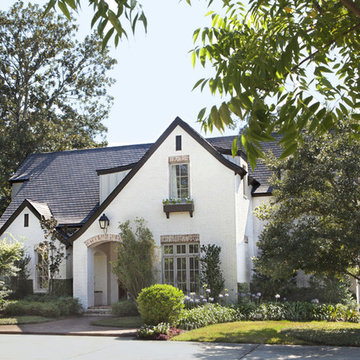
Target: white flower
(192,294)
(221,296)
(211,299)
(226,294)
(277,296)
(208,291)
(258,294)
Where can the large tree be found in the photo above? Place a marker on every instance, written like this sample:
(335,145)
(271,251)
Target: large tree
(282,66)
(314,218)
(297,55)
(53,89)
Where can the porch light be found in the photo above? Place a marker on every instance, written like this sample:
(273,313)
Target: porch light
(104,222)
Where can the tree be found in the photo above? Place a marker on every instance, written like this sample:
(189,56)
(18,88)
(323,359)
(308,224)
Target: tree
(53,89)
(50,252)
(134,265)
(283,66)
(131,10)
(10,253)
(211,274)
(314,219)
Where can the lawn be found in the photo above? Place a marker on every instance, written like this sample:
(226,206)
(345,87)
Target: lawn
(120,322)
(26,319)
(278,332)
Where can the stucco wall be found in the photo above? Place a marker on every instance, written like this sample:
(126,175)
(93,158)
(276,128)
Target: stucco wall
(31,236)
(212,189)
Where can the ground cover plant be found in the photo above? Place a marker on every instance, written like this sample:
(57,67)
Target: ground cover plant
(278,332)
(19,320)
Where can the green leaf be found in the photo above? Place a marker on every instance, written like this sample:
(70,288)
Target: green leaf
(62,6)
(225,114)
(215,118)
(106,38)
(72,4)
(115,22)
(289,150)
(50,5)
(193,58)
(198,83)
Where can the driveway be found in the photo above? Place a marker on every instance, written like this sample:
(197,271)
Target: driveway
(54,347)
(68,326)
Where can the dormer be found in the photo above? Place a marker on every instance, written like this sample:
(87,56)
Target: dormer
(110,178)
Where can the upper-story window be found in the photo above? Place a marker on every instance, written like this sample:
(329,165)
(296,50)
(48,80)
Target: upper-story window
(26,220)
(179,181)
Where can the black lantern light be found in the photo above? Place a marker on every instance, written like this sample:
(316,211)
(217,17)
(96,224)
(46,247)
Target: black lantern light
(104,222)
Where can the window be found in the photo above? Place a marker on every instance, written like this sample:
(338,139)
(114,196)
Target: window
(26,220)
(42,267)
(178,142)
(181,266)
(179,181)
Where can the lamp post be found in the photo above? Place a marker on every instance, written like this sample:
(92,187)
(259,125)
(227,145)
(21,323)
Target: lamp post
(104,222)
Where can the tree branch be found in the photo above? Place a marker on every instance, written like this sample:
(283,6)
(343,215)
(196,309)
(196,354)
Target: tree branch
(351,7)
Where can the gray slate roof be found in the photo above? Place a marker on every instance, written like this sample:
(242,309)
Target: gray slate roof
(66,182)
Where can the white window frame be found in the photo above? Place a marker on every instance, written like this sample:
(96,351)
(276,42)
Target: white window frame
(174,189)
(189,257)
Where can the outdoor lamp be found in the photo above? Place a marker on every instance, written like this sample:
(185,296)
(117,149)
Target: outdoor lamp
(104,222)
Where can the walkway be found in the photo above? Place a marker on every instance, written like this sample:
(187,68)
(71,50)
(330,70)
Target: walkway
(69,326)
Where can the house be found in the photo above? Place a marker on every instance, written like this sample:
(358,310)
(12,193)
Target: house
(80,187)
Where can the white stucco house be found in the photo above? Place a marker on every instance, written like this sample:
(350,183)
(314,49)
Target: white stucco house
(79,187)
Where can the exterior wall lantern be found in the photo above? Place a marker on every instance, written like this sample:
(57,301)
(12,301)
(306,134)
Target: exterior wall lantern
(104,222)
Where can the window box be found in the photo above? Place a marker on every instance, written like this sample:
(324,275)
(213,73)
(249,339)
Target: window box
(179,207)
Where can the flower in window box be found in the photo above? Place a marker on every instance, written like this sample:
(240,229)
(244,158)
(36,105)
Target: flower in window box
(166,202)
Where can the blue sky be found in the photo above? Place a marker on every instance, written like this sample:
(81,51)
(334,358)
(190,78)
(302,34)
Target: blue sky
(154,72)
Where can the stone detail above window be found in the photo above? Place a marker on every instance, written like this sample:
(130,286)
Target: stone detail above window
(179,159)
(166,239)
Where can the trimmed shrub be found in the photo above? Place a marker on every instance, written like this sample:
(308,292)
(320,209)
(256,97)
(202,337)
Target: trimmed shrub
(160,304)
(125,308)
(46,307)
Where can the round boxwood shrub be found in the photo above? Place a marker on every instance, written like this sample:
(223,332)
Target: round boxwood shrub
(160,304)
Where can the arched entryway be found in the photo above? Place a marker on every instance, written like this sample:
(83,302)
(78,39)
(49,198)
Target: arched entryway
(104,287)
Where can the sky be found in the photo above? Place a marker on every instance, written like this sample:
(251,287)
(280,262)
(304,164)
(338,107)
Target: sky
(154,75)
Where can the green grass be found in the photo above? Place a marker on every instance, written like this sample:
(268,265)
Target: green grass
(278,332)
(121,322)
(27,319)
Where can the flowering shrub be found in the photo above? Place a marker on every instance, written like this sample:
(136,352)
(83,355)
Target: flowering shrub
(206,315)
(294,311)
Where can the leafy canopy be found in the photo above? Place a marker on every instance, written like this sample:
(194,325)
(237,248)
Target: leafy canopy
(282,66)
(299,56)
(314,220)
(53,88)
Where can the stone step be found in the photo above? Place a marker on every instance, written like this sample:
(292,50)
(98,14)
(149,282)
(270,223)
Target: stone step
(98,311)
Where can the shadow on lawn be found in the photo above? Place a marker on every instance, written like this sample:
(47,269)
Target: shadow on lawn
(337,337)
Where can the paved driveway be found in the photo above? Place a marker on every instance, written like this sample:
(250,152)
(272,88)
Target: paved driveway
(54,347)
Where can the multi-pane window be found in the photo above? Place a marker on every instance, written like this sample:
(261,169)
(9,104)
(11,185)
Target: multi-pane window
(179,186)
(181,266)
